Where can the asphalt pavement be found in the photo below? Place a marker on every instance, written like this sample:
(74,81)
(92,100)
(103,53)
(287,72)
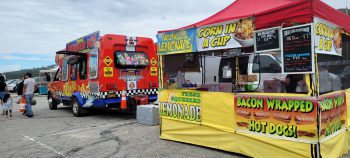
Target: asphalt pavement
(102,134)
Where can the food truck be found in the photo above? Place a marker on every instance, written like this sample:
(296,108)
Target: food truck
(260,78)
(109,71)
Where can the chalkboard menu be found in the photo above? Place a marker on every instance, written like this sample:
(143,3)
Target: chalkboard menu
(267,40)
(297,52)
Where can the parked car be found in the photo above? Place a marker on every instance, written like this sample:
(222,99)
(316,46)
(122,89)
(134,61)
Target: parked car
(9,81)
(11,86)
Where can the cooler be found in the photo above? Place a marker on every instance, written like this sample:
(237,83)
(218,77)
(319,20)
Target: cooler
(42,90)
(147,115)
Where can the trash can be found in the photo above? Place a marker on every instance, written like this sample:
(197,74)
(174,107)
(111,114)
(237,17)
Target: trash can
(42,90)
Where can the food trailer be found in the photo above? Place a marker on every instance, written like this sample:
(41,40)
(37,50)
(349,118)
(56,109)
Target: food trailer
(43,79)
(112,71)
(260,78)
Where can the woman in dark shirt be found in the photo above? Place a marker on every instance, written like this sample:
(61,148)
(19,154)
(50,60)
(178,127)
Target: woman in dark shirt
(3,91)
(20,88)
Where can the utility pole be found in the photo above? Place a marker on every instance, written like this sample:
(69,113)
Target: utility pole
(346,6)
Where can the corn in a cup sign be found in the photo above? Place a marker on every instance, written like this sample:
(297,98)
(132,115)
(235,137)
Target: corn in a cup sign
(289,118)
(328,39)
(182,106)
(232,34)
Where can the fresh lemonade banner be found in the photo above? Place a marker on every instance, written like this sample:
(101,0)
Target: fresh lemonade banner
(181,105)
(328,38)
(231,34)
(289,118)
(182,41)
(333,114)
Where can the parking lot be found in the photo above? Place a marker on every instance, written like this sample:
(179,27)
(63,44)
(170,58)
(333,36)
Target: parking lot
(100,134)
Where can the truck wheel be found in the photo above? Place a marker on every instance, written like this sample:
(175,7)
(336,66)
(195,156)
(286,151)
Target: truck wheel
(53,105)
(77,110)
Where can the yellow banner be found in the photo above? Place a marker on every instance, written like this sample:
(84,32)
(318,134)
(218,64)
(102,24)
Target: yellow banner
(218,128)
(181,105)
(290,118)
(333,114)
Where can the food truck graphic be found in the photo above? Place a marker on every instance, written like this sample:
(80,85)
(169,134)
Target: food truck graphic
(111,71)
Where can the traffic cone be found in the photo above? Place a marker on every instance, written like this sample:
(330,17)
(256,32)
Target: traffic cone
(123,104)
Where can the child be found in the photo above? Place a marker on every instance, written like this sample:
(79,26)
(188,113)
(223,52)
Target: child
(7,105)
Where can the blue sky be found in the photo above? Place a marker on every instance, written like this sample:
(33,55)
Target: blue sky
(32,30)
(17,61)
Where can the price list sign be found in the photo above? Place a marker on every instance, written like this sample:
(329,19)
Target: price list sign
(297,50)
(267,40)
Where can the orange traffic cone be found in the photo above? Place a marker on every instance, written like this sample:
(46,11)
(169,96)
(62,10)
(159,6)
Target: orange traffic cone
(123,104)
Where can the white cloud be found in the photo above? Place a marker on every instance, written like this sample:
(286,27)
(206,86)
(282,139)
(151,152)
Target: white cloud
(9,68)
(14,57)
(45,26)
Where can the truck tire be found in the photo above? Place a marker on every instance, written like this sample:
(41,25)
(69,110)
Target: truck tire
(78,111)
(53,104)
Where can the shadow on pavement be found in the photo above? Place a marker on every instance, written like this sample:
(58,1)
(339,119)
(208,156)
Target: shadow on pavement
(102,113)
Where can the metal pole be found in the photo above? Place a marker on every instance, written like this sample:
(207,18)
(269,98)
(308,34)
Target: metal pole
(346,6)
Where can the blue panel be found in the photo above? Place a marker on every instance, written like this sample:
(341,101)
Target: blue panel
(80,99)
(65,98)
(152,98)
(101,103)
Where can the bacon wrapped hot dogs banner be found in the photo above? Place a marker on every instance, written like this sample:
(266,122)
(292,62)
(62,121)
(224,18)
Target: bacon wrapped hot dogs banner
(333,114)
(290,118)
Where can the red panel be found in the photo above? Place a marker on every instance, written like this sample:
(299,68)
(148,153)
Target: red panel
(269,13)
(326,12)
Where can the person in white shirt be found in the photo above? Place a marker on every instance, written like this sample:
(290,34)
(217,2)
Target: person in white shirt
(29,87)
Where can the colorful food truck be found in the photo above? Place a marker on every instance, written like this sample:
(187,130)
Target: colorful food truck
(111,71)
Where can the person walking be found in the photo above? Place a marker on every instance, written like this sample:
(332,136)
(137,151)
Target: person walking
(8,105)
(3,91)
(29,87)
(19,91)
(48,80)
(48,77)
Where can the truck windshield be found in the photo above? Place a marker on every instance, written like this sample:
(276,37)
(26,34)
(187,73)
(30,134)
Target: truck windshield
(131,59)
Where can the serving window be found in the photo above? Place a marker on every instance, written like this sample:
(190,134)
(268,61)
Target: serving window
(64,70)
(229,71)
(333,70)
(93,67)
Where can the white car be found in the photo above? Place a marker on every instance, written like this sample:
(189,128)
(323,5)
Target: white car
(11,85)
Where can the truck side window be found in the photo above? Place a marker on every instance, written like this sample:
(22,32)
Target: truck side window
(73,72)
(93,66)
(64,70)
(82,68)
(267,65)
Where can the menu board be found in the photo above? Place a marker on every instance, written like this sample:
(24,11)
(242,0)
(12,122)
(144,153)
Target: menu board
(297,50)
(267,40)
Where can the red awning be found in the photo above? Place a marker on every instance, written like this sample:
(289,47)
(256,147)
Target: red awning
(269,13)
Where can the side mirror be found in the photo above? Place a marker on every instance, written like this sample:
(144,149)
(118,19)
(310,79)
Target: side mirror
(56,78)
